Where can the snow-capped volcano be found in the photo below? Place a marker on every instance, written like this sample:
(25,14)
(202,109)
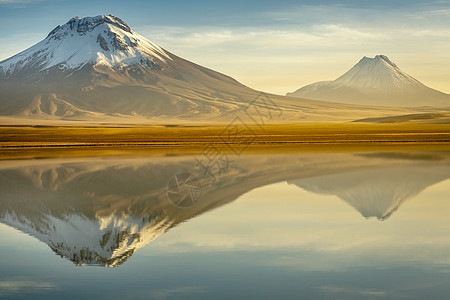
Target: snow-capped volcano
(378,73)
(375,81)
(101,40)
(98,68)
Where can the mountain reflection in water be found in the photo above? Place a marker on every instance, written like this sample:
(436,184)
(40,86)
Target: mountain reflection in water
(98,211)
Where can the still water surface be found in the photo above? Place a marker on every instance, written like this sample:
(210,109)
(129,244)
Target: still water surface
(363,225)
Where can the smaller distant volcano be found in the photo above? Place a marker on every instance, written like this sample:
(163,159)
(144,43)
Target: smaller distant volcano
(375,81)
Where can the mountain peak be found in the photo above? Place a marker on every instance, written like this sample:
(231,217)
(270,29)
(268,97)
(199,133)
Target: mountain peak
(88,24)
(91,22)
(101,40)
(377,73)
(374,81)
(378,59)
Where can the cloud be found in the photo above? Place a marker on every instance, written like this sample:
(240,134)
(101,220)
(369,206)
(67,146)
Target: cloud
(18,1)
(27,286)
(321,35)
(178,292)
(430,33)
(353,291)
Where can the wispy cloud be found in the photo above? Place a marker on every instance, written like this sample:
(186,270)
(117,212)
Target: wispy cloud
(309,36)
(367,292)
(13,286)
(18,1)
(178,292)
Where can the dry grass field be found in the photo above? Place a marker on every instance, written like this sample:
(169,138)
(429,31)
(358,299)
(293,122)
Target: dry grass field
(44,141)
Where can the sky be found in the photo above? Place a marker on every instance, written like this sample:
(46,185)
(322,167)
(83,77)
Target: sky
(275,46)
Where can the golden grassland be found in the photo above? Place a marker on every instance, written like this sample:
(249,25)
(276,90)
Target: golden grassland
(44,141)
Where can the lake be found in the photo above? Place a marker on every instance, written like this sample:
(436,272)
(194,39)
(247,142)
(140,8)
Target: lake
(362,224)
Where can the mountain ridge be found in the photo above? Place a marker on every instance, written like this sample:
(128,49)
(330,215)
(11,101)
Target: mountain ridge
(375,81)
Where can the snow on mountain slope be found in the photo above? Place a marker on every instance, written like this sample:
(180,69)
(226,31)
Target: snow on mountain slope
(101,40)
(378,73)
(93,241)
(375,81)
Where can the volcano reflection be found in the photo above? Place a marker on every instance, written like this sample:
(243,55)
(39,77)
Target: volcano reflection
(100,211)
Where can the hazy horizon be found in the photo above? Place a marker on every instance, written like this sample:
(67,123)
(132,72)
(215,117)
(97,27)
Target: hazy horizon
(274,47)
